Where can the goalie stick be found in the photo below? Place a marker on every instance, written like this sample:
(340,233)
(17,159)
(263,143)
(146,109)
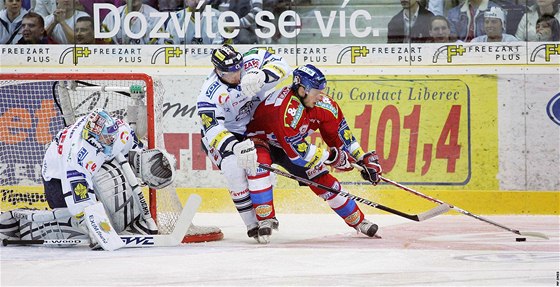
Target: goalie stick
(531,234)
(173,239)
(416,217)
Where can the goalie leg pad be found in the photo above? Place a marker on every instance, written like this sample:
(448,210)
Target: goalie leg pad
(113,190)
(44,228)
(99,225)
(9,226)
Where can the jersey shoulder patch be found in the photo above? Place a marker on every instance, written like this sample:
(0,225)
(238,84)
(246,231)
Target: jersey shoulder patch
(79,190)
(208,119)
(213,89)
(293,113)
(328,104)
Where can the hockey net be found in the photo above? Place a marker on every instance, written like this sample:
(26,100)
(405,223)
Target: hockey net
(36,106)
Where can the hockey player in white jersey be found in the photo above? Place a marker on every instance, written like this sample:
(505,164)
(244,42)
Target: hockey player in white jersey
(85,171)
(225,105)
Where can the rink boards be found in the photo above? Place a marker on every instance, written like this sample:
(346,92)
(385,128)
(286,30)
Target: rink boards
(483,138)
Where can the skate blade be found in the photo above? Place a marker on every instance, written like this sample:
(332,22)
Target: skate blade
(263,239)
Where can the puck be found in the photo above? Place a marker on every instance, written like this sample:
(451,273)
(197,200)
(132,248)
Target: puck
(520,239)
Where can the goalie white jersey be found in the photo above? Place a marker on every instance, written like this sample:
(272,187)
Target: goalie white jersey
(75,160)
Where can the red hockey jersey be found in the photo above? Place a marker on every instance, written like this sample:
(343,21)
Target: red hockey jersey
(285,122)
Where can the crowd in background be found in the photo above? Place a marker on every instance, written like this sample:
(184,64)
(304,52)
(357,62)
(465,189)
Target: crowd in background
(475,21)
(419,21)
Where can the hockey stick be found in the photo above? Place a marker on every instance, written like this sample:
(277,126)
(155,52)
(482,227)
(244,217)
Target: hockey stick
(416,217)
(533,234)
(173,239)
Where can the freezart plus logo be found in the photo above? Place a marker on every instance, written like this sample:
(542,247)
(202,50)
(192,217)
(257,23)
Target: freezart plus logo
(355,52)
(268,49)
(451,51)
(77,52)
(168,52)
(549,50)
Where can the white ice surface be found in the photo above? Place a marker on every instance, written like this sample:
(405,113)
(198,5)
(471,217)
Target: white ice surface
(308,250)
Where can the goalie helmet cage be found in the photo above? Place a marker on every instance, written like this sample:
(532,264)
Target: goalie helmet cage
(37,105)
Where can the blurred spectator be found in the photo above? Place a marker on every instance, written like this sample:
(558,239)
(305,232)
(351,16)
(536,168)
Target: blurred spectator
(514,13)
(152,3)
(277,7)
(439,7)
(87,6)
(215,3)
(246,11)
(44,7)
(467,19)
(440,31)
(170,5)
(526,31)
(10,20)
(60,24)
(410,25)
(33,30)
(27,4)
(84,32)
(135,25)
(494,27)
(548,29)
(189,26)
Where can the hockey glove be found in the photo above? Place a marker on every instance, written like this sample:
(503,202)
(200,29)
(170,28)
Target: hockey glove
(252,82)
(339,159)
(155,167)
(371,168)
(246,156)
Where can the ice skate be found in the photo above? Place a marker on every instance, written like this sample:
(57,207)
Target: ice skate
(367,227)
(265,229)
(253,232)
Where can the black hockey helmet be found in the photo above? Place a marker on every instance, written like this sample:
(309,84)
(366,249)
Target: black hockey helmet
(227,59)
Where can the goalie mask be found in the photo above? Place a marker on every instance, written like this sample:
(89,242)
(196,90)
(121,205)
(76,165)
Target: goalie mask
(103,128)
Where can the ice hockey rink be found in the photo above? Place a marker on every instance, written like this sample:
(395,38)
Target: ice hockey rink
(312,250)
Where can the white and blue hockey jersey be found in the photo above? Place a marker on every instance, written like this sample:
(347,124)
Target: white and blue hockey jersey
(74,160)
(224,111)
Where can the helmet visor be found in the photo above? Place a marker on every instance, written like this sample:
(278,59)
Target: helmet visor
(233,64)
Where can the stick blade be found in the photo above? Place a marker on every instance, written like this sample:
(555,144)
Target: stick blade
(440,209)
(534,234)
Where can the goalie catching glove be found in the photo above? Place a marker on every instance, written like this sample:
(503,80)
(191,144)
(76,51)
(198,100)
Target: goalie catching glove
(154,167)
(371,169)
(252,82)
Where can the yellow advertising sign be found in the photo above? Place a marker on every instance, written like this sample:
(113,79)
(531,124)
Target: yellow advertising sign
(429,130)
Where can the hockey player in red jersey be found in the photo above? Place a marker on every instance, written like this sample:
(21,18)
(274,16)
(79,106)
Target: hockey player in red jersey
(279,128)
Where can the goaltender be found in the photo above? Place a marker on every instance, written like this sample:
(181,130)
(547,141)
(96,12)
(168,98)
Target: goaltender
(89,173)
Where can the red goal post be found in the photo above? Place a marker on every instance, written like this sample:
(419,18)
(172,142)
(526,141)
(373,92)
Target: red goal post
(32,110)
